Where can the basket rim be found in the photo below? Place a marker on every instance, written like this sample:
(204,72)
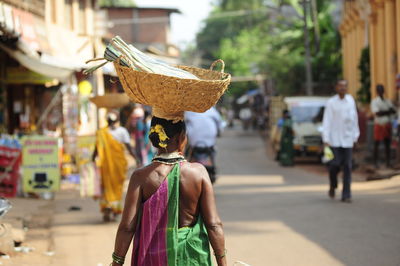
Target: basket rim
(108,94)
(228,76)
(105,98)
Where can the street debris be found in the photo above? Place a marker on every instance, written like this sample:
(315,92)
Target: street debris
(5,206)
(240,263)
(49,253)
(18,235)
(23,249)
(74,208)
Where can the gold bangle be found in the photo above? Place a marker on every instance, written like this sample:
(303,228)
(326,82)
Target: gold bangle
(220,256)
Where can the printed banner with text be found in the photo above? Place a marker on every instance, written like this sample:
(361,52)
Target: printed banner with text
(41,170)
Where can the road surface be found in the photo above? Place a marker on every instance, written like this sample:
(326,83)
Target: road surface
(272,216)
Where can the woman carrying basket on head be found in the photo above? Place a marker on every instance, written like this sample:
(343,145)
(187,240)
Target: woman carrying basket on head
(170,207)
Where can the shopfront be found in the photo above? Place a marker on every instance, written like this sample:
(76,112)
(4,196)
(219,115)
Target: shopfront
(27,96)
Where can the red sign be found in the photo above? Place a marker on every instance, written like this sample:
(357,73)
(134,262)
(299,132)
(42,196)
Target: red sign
(10,162)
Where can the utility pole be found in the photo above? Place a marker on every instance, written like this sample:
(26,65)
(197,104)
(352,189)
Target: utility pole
(309,82)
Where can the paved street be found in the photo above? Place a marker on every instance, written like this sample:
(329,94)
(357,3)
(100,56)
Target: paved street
(272,216)
(282,216)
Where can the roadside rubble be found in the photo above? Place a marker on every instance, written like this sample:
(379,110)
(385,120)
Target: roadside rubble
(25,236)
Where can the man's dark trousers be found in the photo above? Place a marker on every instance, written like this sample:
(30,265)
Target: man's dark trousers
(343,158)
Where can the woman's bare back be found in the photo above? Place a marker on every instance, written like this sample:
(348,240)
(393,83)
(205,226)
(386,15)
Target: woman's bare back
(190,188)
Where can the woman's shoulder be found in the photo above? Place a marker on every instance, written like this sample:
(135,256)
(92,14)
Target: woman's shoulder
(142,173)
(196,171)
(193,171)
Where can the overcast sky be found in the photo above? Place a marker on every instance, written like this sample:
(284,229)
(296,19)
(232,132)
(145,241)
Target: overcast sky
(183,26)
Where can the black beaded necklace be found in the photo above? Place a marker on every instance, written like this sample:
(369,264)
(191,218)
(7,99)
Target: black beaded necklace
(169,158)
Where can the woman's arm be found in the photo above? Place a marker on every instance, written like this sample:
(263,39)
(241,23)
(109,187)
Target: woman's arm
(129,220)
(212,221)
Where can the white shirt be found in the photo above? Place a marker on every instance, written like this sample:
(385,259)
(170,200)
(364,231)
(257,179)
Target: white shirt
(377,105)
(245,113)
(340,123)
(202,128)
(120,134)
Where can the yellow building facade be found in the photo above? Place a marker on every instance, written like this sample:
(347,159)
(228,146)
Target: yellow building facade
(375,23)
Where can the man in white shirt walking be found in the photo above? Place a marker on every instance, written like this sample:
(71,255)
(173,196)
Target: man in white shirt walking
(383,110)
(340,132)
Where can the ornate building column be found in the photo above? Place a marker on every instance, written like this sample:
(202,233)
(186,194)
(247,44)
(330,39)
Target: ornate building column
(380,49)
(359,28)
(343,40)
(352,57)
(398,34)
(390,48)
(353,33)
(373,33)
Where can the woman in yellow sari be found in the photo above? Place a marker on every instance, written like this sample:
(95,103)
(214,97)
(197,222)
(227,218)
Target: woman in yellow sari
(111,142)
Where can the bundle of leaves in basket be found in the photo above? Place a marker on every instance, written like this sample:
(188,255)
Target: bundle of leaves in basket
(169,90)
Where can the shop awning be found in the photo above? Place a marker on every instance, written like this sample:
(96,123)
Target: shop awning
(47,49)
(22,75)
(245,97)
(45,65)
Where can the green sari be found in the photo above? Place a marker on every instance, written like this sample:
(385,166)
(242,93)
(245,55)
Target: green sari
(159,240)
(286,153)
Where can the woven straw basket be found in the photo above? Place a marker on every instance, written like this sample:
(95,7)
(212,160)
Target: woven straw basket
(110,100)
(171,96)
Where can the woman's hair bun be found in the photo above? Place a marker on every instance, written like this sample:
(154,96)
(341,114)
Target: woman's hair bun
(155,140)
(163,130)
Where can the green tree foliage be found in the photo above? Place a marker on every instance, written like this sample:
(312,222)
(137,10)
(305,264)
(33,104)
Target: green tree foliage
(226,22)
(364,93)
(267,37)
(117,3)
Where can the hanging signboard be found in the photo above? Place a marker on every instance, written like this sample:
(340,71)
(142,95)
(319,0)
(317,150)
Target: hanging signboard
(40,162)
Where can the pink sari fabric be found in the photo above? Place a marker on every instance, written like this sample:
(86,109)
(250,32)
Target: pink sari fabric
(151,234)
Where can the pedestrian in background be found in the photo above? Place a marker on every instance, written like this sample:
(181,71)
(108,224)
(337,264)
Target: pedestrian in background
(245,116)
(286,151)
(383,111)
(203,129)
(340,132)
(149,150)
(111,142)
(137,130)
(230,117)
